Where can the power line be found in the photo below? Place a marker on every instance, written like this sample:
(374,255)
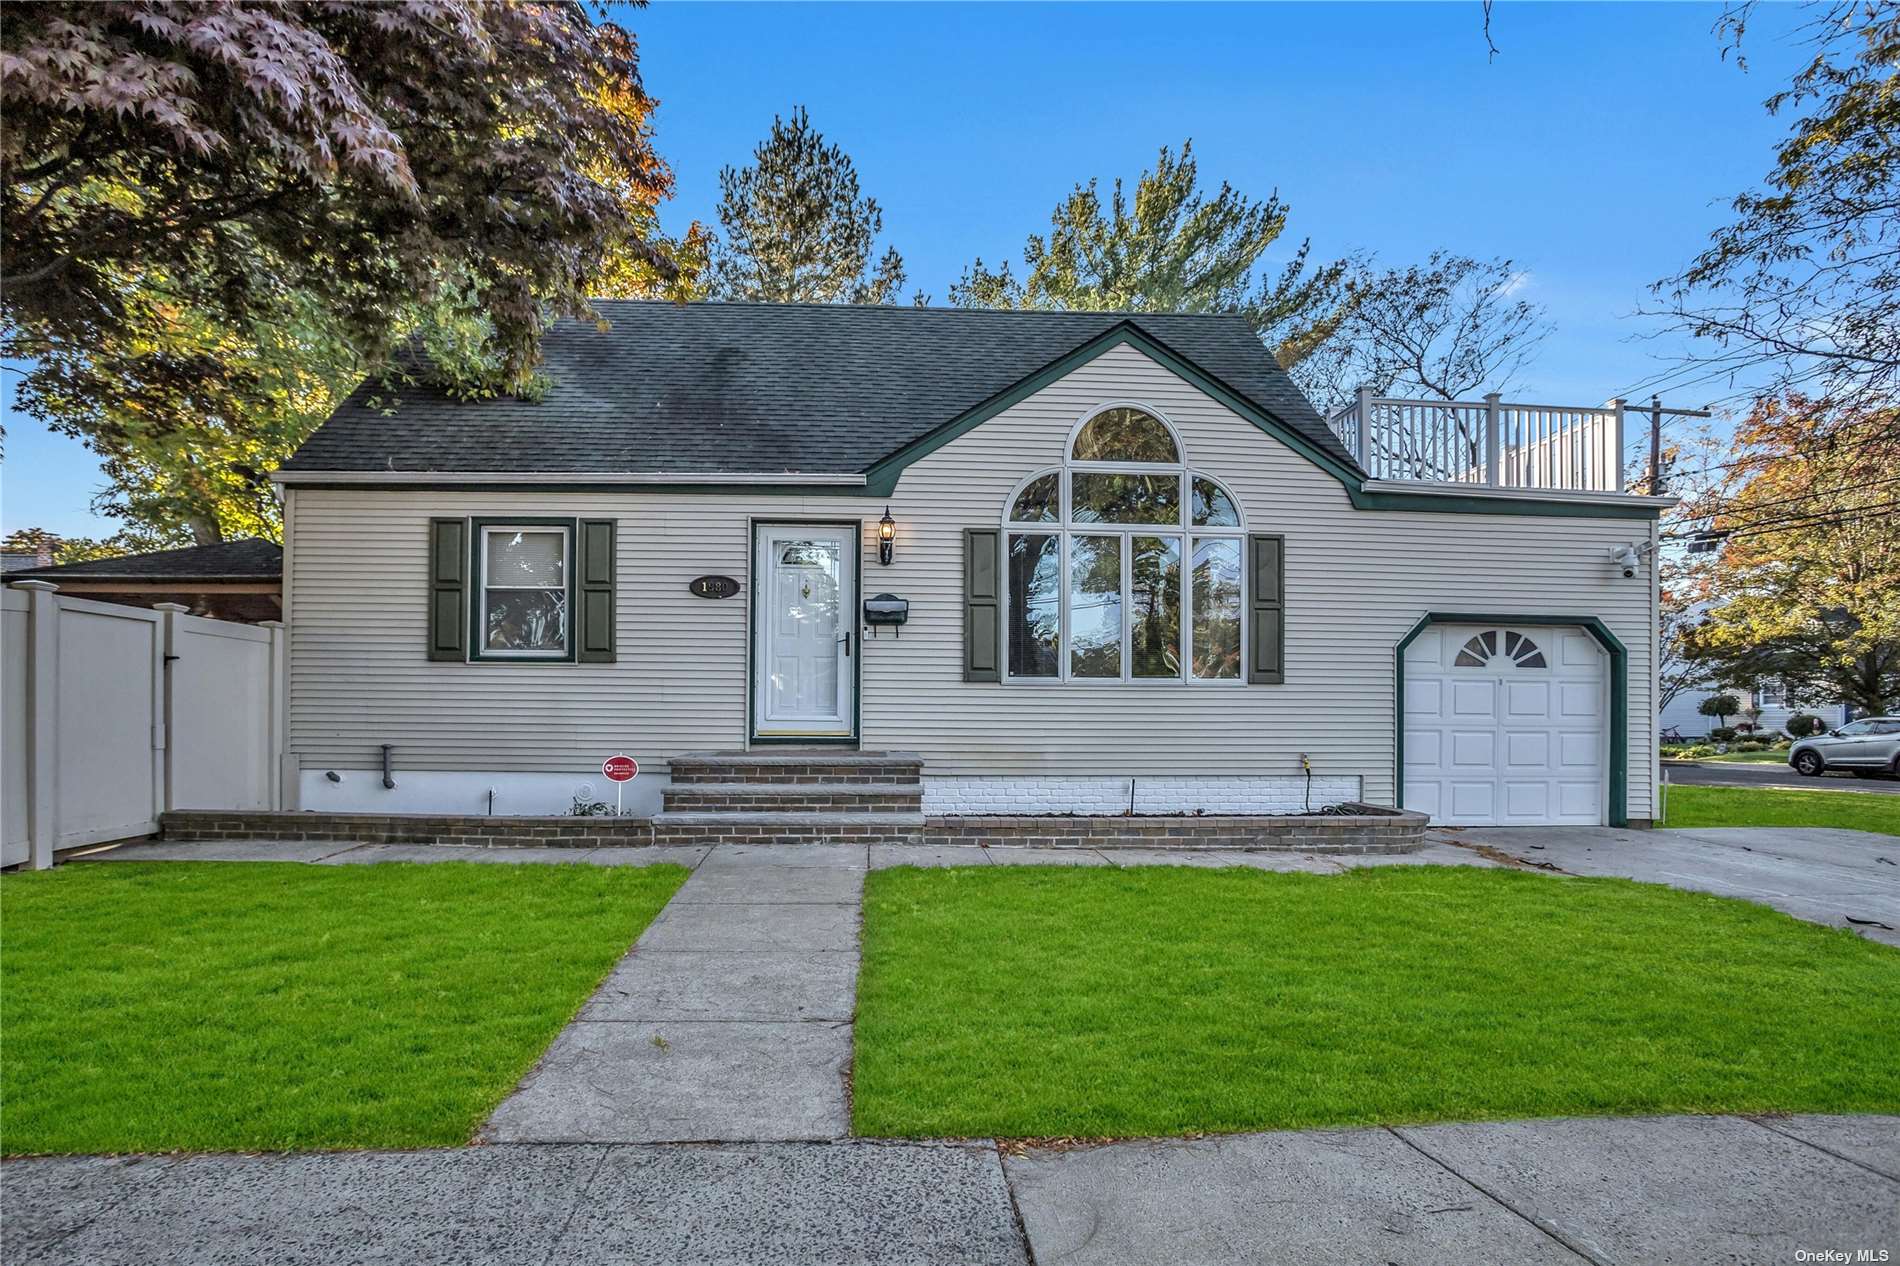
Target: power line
(1806,516)
(1803,517)
(1852,514)
(1806,496)
(1769,457)
(1783,527)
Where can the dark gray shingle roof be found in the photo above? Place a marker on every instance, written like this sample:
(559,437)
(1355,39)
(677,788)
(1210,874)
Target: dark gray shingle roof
(761,388)
(227,560)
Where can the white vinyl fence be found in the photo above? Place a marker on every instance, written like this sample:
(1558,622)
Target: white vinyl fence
(114,714)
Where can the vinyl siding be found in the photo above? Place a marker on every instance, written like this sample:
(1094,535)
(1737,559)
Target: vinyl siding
(1356,581)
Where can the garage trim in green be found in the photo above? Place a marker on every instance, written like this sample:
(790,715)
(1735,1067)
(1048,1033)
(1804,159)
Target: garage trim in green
(1619,693)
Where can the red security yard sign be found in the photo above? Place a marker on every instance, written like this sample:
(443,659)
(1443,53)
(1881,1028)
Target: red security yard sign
(619,769)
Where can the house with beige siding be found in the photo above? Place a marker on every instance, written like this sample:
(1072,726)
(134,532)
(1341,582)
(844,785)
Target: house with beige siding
(1075,563)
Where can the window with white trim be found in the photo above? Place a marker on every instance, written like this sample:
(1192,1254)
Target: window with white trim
(1123,564)
(523,604)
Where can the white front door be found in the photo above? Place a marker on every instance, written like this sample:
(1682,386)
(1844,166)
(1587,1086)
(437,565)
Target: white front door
(1506,726)
(804,630)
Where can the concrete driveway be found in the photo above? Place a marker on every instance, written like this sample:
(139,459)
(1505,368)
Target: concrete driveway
(1777,776)
(1848,879)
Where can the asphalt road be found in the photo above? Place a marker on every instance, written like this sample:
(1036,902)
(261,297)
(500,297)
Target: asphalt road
(1721,774)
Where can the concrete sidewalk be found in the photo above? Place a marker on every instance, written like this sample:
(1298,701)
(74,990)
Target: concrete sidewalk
(1658,1189)
(1636,1190)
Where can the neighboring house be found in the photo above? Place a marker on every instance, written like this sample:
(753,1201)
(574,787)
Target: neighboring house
(1682,718)
(232,580)
(1776,709)
(1130,549)
(21,560)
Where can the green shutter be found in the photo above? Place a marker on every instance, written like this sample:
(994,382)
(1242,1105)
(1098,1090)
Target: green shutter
(594,621)
(448,589)
(981,605)
(1267,614)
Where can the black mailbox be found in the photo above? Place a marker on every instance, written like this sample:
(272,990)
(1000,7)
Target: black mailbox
(886,610)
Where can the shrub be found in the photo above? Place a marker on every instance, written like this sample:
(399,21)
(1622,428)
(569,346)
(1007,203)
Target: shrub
(1721,707)
(1697,750)
(1722,734)
(1804,725)
(1750,745)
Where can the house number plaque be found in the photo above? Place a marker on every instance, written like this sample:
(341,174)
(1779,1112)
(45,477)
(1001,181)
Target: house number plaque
(713,586)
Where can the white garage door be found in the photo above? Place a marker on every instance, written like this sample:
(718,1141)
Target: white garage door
(1506,726)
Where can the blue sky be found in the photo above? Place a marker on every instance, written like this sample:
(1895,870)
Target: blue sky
(1598,149)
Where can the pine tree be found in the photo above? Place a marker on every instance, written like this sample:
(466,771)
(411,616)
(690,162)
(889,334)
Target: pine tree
(796,228)
(1171,248)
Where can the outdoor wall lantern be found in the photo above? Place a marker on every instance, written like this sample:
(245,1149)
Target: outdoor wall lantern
(886,538)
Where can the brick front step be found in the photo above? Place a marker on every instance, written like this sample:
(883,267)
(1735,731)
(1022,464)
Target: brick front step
(787,828)
(403,828)
(760,797)
(1367,829)
(800,767)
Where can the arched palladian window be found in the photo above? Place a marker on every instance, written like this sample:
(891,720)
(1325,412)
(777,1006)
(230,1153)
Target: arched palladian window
(1123,564)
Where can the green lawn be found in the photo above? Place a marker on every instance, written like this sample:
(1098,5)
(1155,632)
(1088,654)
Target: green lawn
(1752,806)
(213,1006)
(1045,1001)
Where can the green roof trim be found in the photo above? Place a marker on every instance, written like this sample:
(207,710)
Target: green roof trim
(881,479)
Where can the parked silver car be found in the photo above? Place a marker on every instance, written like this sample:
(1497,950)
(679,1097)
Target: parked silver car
(1870,745)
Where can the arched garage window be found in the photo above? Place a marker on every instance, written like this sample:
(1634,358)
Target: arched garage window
(1123,564)
(1481,649)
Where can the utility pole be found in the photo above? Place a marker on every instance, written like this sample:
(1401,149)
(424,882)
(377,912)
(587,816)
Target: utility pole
(1655,446)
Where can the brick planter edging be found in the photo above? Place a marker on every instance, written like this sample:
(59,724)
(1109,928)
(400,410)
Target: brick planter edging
(402,828)
(1367,829)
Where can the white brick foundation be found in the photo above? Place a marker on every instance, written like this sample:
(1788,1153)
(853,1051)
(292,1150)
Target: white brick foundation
(1037,794)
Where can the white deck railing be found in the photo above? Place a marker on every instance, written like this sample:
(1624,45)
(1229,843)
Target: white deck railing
(1487,443)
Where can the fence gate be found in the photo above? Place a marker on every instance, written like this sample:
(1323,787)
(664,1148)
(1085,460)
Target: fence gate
(113,714)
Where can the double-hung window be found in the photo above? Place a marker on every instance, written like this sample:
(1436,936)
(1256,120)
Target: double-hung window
(1123,564)
(524,595)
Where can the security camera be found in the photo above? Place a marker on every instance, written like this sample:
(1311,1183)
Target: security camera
(1627,559)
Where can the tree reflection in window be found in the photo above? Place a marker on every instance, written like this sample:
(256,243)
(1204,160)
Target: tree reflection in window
(1040,501)
(524,591)
(1117,574)
(1125,435)
(1035,614)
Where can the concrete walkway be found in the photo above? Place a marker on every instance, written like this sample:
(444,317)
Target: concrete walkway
(1846,879)
(342,853)
(1643,1190)
(730,1019)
